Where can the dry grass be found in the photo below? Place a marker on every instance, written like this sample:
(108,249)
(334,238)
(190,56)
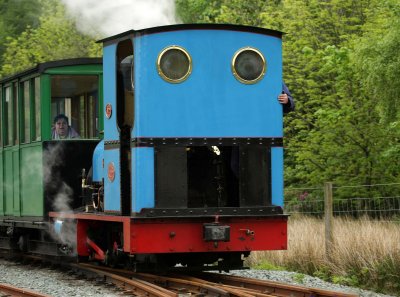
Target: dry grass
(365,252)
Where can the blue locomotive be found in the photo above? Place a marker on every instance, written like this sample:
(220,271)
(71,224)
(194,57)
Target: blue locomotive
(190,167)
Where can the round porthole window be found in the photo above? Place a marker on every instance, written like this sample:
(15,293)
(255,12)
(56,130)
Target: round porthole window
(248,65)
(174,64)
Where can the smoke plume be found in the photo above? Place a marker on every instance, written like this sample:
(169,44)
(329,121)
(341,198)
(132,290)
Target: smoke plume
(105,18)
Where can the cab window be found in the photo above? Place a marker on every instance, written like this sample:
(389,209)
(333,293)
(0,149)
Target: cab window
(76,97)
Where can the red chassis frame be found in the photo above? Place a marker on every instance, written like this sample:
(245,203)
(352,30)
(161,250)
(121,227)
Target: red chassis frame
(181,235)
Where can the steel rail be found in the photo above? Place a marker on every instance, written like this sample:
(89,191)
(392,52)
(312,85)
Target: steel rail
(271,287)
(13,291)
(214,284)
(131,286)
(187,284)
(180,284)
(247,291)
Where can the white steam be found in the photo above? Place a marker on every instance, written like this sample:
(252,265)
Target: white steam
(61,196)
(53,157)
(106,18)
(63,193)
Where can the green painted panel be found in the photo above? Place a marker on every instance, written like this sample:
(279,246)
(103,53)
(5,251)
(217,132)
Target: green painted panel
(45,98)
(31,176)
(8,182)
(76,69)
(1,184)
(15,175)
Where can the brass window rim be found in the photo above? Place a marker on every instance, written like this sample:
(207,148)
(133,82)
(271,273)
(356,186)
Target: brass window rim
(161,73)
(237,76)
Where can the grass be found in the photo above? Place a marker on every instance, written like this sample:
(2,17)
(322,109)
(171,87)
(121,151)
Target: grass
(366,253)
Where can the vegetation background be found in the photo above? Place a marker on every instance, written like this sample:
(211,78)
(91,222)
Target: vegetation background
(341,63)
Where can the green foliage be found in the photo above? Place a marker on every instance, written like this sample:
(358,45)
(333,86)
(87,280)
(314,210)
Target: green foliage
(346,280)
(15,17)
(382,277)
(378,58)
(254,13)
(323,273)
(55,38)
(326,141)
(263,265)
(386,275)
(299,278)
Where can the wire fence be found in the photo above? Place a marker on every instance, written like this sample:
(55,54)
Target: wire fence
(354,201)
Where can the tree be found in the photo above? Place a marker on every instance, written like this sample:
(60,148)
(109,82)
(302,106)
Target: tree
(377,57)
(348,139)
(253,13)
(15,17)
(55,38)
(377,60)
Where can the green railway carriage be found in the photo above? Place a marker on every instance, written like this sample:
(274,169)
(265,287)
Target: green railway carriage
(32,175)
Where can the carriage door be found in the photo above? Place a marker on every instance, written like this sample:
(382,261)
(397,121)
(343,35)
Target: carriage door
(125,118)
(11,193)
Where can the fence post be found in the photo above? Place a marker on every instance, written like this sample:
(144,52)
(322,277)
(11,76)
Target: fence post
(328,211)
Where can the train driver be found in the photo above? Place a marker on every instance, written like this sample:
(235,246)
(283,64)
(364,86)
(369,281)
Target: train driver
(61,129)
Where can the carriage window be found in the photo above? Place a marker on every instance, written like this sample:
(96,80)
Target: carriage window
(7,116)
(36,135)
(76,97)
(15,113)
(26,107)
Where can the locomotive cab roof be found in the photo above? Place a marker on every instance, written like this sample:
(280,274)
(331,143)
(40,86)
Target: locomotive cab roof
(177,27)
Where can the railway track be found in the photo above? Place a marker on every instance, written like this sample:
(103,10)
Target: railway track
(200,284)
(204,284)
(11,291)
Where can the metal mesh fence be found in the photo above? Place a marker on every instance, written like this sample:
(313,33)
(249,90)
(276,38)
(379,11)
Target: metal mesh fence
(347,201)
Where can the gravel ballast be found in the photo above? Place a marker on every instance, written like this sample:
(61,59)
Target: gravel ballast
(306,281)
(60,284)
(51,281)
